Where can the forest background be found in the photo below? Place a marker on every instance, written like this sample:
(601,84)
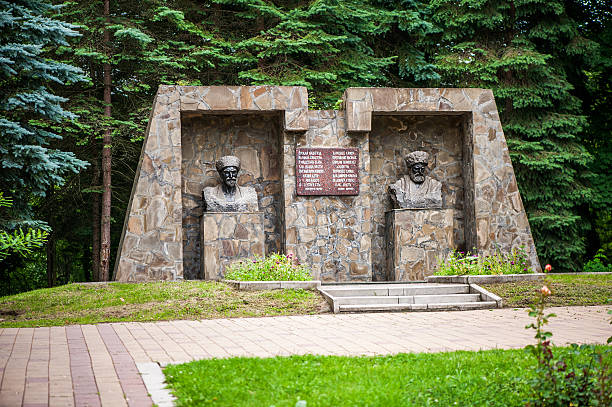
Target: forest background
(78,80)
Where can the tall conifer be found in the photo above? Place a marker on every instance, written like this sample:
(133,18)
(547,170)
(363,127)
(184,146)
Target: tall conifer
(30,110)
(520,49)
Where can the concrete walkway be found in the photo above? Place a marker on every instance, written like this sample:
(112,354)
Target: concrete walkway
(93,365)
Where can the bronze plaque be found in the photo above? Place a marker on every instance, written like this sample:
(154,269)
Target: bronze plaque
(327,171)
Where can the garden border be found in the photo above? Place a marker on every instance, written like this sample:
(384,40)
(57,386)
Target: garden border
(273,285)
(486,279)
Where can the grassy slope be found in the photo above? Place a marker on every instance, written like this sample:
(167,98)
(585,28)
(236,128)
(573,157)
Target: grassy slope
(485,378)
(93,303)
(588,289)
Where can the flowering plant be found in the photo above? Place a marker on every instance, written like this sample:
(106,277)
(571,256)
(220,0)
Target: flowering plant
(275,267)
(461,263)
(582,378)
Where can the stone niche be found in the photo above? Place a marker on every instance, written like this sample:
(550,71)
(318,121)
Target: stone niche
(341,238)
(229,237)
(444,138)
(255,139)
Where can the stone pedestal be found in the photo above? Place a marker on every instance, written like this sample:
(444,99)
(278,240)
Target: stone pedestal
(227,237)
(415,239)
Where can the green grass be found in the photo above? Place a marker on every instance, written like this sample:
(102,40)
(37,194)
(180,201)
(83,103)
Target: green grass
(113,302)
(586,289)
(485,378)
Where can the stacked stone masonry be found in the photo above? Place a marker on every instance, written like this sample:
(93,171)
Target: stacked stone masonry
(228,237)
(340,238)
(416,239)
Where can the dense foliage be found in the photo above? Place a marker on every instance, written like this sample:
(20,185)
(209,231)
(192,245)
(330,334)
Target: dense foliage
(548,62)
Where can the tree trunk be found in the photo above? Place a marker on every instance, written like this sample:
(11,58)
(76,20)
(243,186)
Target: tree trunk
(95,225)
(51,260)
(106,157)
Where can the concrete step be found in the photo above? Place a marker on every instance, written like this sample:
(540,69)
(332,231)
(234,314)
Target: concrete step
(444,299)
(459,306)
(394,289)
(405,299)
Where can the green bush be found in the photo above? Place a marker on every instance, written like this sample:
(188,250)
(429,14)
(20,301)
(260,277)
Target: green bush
(599,264)
(276,267)
(460,263)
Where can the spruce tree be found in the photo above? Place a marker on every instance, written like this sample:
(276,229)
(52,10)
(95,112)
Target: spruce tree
(30,110)
(522,51)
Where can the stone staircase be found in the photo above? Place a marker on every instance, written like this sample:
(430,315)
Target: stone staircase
(403,296)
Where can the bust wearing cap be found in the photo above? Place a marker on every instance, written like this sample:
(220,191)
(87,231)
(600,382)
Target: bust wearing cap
(416,190)
(228,196)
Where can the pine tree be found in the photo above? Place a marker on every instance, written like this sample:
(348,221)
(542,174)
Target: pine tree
(30,111)
(522,51)
(326,46)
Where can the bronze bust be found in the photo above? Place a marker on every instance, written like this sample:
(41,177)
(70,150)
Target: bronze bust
(416,190)
(228,196)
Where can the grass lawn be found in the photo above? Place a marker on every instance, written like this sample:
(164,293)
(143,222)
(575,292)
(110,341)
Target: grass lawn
(112,302)
(485,378)
(587,289)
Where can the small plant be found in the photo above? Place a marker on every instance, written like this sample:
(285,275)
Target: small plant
(598,264)
(461,263)
(19,241)
(583,378)
(276,267)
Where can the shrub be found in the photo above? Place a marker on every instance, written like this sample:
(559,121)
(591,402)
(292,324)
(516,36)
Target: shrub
(598,264)
(276,267)
(460,263)
(583,378)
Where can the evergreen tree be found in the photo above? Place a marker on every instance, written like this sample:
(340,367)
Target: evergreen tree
(595,87)
(326,46)
(30,111)
(522,50)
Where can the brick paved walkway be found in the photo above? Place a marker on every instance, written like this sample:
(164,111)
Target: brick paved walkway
(96,365)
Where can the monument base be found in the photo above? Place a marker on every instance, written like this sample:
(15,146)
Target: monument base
(227,237)
(415,239)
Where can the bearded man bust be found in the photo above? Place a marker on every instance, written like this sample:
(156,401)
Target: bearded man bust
(416,190)
(228,196)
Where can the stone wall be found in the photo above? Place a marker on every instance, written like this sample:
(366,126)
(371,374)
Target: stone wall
(394,137)
(415,240)
(341,238)
(227,237)
(329,233)
(255,139)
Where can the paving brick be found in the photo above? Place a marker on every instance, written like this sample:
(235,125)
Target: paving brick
(83,381)
(127,372)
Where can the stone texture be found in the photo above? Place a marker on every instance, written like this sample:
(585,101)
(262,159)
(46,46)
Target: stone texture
(332,231)
(224,235)
(415,240)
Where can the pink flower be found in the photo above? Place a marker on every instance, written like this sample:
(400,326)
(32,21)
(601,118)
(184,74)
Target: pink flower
(545,291)
(548,267)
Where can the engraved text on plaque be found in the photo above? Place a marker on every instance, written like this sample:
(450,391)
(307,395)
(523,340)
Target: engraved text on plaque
(327,171)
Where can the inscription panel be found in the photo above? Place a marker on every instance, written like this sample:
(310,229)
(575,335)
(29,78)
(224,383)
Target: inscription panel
(327,171)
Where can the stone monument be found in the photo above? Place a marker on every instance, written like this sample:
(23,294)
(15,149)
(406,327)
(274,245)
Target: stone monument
(418,231)
(322,180)
(232,227)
